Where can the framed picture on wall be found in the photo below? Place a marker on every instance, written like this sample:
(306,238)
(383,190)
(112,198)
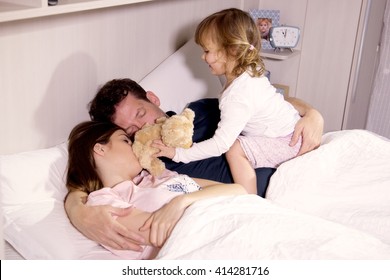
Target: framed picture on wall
(265,19)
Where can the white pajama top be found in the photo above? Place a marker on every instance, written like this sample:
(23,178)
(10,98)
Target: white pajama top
(250,106)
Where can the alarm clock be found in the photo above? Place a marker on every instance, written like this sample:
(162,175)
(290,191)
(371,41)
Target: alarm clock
(284,37)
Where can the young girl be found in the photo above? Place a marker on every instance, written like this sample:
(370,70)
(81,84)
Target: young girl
(256,123)
(102,164)
(264,25)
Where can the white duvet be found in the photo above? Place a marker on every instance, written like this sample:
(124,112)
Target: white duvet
(333,203)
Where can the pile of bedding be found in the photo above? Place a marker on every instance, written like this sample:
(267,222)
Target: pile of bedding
(332,203)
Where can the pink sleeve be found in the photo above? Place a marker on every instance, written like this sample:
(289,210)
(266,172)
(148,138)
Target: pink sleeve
(118,196)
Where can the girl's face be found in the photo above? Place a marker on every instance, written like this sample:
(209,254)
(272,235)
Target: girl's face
(120,153)
(215,58)
(263,26)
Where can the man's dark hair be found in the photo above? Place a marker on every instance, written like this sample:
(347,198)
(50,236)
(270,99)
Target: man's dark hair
(102,106)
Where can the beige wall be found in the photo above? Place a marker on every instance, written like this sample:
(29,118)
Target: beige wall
(44,60)
(51,67)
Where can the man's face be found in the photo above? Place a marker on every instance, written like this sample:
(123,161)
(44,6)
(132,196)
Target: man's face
(132,114)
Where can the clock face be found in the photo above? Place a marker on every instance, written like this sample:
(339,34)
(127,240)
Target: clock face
(284,36)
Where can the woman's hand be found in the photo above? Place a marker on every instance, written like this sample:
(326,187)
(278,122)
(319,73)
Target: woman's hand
(165,151)
(162,222)
(96,223)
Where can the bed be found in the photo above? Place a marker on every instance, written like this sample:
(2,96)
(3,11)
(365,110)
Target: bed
(332,203)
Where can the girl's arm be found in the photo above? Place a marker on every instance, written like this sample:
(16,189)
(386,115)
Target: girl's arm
(96,222)
(229,128)
(162,221)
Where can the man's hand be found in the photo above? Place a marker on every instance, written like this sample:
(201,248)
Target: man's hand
(97,223)
(310,127)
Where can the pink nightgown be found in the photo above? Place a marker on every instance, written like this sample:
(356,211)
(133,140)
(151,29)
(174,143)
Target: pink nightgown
(146,193)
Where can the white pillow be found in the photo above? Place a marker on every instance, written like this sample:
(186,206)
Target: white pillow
(35,223)
(182,78)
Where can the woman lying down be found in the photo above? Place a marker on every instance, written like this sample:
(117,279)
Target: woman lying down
(102,163)
(184,218)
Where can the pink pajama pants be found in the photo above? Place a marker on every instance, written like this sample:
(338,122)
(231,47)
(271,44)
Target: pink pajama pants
(264,151)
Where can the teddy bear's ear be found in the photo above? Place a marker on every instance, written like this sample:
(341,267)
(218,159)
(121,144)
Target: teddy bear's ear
(161,120)
(189,114)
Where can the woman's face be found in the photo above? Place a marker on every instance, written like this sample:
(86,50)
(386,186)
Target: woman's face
(119,151)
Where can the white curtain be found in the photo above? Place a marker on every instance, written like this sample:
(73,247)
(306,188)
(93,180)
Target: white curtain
(378,119)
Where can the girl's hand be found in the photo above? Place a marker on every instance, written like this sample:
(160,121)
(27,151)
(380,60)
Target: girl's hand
(165,151)
(162,222)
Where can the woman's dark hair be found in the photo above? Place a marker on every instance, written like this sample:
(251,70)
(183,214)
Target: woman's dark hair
(102,106)
(81,173)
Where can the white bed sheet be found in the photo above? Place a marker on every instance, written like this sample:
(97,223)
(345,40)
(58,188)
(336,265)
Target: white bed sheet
(346,180)
(333,203)
(250,227)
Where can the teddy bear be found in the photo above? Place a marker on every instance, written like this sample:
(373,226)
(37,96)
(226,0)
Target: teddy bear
(175,131)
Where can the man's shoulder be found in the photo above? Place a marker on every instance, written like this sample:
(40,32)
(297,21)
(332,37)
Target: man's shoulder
(204,105)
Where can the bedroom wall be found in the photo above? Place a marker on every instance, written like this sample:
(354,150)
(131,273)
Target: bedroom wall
(342,94)
(379,112)
(1,235)
(52,66)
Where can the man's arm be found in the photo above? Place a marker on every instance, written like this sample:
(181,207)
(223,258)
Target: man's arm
(310,127)
(96,223)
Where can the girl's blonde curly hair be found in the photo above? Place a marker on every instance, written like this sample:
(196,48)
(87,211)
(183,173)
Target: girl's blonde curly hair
(236,34)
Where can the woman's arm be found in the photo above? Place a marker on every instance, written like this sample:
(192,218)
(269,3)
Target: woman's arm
(96,223)
(310,127)
(213,189)
(162,221)
(134,221)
